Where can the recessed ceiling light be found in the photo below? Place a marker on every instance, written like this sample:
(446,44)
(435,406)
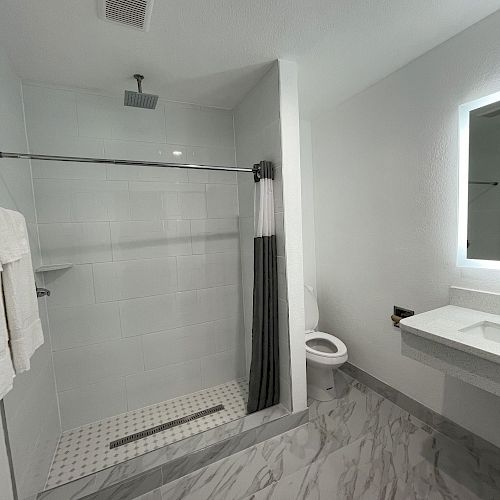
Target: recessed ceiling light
(177,153)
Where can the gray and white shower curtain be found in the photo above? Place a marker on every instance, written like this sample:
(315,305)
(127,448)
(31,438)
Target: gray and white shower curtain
(264,390)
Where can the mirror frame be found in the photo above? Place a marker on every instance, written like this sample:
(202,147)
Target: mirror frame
(463,183)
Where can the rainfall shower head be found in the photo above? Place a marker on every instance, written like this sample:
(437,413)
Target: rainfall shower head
(139,99)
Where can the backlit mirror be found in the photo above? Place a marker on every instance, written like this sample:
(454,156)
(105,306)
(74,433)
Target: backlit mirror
(479,197)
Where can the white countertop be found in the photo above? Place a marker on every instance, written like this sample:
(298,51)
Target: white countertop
(443,325)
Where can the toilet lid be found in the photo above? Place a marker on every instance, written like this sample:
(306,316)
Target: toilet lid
(324,344)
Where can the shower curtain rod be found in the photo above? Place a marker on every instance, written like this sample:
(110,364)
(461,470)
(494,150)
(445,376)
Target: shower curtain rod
(27,156)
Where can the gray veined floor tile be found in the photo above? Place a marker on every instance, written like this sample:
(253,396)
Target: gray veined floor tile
(311,465)
(428,482)
(355,414)
(235,477)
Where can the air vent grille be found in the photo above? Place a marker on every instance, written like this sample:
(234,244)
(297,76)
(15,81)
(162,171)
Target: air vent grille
(133,13)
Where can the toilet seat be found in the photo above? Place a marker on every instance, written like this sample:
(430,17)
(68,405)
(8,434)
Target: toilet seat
(338,350)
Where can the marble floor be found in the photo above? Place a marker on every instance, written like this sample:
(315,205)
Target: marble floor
(359,446)
(85,450)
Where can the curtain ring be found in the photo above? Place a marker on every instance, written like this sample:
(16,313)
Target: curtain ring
(257,174)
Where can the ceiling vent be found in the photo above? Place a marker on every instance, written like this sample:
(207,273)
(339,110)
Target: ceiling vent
(133,13)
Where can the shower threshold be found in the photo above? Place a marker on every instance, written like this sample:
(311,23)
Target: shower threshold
(86,450)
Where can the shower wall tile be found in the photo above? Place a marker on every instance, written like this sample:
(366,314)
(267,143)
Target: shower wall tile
(168,187)
(84,324)
(76,243)
(152,386)
(222,201)
(81,366)
(145,205)
(211,156)
(156,279)
(246,189)
(280,235)
(212,176)
(220,367)
(150,239)
(52,112)
(197,126)
(71,287)
(264,144)
(66,170)
(96,114)
(192,205)
(146,151)
(66,145)
(134,278)
(228,336)
(208,270)
(146,174)
(92,402)
(149,314)
(215,235)
(81,200)
(135,124)
(178,345)
(259,108)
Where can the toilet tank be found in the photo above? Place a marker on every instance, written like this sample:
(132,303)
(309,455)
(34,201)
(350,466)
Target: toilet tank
(311,309)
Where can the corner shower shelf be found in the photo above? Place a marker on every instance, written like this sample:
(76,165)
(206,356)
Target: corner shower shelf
(53,267)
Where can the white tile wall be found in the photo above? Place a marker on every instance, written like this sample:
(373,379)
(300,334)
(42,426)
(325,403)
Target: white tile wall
(222,200)
(215,235)
(178,345)
(151,386)
(134,278)
(92,402)
(83,324)
(151,308)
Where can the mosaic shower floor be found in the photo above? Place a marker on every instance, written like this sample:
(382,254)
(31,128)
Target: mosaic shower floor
(85,450)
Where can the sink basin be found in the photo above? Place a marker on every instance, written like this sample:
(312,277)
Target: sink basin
(484,329)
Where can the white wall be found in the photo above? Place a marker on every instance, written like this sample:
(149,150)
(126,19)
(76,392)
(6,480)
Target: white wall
(31,407)
(257,133)
(307,187)
(386,174)
(292,203)
(151,308)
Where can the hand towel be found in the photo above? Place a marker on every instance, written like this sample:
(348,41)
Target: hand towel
(19,293)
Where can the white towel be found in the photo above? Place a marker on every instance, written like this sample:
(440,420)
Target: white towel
(19,294)
(6,369)
(14,241)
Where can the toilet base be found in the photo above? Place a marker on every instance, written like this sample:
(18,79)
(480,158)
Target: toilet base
(318,394)
(320,383)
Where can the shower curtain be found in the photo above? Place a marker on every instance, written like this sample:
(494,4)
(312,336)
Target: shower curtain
(264,388)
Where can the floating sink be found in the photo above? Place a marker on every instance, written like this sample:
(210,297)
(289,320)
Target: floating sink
(485,330)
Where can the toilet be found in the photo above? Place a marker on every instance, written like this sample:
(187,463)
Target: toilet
(324,352)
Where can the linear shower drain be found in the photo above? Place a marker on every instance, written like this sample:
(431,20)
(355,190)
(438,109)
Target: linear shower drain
(167,425)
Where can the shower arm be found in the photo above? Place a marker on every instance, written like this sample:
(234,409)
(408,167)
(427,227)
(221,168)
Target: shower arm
(28,156)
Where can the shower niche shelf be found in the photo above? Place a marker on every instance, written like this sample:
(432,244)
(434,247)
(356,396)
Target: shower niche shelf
(53,267)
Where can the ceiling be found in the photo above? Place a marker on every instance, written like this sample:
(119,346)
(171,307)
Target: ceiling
(212,52)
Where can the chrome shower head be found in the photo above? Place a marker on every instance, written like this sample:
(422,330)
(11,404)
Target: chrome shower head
(139,99)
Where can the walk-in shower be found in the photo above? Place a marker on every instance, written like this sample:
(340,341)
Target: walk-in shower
(143,233)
